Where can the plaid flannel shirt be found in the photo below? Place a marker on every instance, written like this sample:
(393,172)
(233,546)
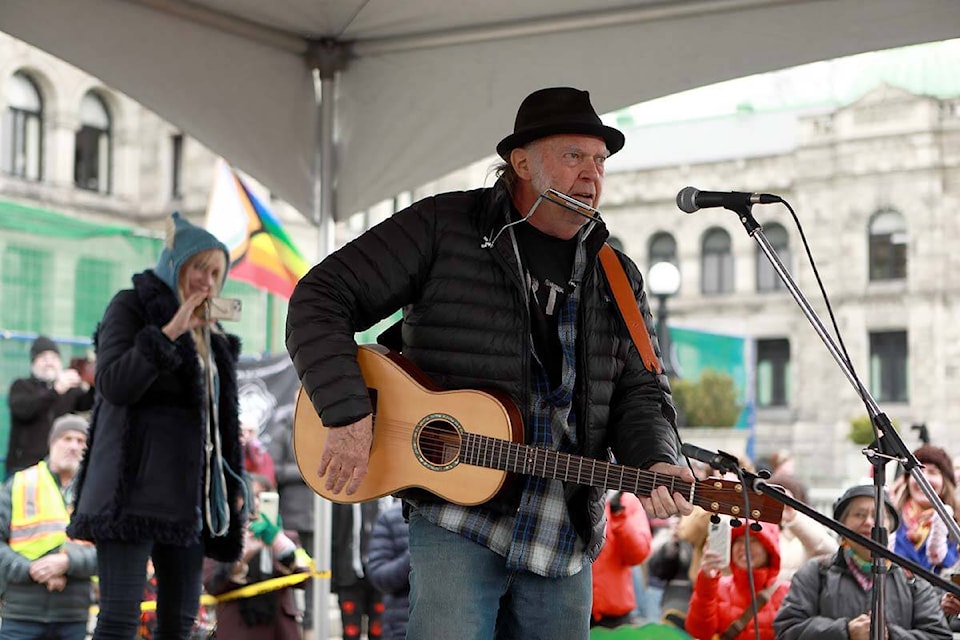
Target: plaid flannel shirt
(539,537)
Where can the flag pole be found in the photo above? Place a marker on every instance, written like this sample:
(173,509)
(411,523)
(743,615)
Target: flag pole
(270,319)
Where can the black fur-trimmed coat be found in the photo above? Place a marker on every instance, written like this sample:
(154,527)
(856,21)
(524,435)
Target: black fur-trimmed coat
(142,474)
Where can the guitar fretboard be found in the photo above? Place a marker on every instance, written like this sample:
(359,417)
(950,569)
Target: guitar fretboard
(493,453)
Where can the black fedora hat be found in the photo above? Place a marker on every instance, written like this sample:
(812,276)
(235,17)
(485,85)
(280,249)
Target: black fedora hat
(557,110)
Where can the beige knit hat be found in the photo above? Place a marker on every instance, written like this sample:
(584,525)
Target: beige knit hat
(67,422)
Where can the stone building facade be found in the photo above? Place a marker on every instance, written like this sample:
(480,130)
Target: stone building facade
(79,147)
(876,188)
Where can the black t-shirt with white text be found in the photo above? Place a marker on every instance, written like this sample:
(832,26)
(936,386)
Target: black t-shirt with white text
(548,262)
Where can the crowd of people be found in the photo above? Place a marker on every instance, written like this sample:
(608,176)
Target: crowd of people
(153,467)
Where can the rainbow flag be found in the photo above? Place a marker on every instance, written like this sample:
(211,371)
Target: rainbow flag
(261,252)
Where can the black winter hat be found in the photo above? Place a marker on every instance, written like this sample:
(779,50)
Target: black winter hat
(41,344)
(554,111)
(865,490)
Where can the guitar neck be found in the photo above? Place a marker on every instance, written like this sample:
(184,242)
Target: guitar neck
(493,453)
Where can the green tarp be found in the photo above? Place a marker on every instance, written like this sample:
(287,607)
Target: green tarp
(24,219)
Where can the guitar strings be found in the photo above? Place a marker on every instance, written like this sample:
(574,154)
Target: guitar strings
(441,445)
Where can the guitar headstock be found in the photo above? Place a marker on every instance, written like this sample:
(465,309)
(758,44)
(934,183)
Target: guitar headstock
(722,496)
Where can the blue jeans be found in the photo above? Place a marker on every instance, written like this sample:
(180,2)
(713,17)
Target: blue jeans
(460,589)
(26,630)
(123,572)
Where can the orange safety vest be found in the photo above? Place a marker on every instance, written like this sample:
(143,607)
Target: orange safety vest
(38,518)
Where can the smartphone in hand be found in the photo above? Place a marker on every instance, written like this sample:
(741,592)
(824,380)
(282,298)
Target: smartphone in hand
(224,308)
(219,309)
(269,504)
(718,538)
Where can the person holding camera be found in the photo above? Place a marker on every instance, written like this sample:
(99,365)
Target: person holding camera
(35,402)
(268,552)
(721,604)
(161,477)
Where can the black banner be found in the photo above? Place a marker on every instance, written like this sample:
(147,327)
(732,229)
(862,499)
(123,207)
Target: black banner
(268,393)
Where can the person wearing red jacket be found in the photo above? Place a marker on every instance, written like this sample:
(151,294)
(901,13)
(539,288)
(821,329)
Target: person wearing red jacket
(719,602)
(256,458)
(627,544)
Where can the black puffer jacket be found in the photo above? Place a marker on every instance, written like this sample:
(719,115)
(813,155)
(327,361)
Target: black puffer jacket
(142,474)
(466,324)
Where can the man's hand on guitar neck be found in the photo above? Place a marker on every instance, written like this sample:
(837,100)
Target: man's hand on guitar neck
(346,455)
(660,504)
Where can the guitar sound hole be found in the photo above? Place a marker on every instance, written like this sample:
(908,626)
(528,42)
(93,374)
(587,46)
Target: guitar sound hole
(439,443)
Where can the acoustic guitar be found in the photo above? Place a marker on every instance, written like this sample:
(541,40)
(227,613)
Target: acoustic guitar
(463,446)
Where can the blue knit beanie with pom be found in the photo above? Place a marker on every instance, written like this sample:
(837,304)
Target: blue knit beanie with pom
(183,241)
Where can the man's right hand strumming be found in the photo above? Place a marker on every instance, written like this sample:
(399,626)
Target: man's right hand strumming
(346,455)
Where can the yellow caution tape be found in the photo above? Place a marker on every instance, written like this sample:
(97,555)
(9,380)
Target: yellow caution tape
(246,591)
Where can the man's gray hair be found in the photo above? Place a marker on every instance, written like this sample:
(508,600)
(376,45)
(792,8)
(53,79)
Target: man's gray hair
(505,171)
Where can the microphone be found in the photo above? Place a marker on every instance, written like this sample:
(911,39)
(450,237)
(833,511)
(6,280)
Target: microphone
(691,199)
(719,460)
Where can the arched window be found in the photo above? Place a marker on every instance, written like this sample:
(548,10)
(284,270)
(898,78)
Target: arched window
(21,137)
(662,248)
(767,278)
(616,243)
(716,267)
(888,246)
(92,162)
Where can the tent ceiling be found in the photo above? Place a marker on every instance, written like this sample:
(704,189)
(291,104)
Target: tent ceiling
(430,85)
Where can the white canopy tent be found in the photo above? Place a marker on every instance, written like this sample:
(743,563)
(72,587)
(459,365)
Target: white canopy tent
(422,87)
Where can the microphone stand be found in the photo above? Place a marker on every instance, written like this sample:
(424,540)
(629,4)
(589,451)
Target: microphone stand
(887,446)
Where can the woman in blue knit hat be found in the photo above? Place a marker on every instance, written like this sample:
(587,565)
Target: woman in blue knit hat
(161,475)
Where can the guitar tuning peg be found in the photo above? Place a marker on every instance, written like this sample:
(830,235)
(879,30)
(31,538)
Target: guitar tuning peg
(735,522)
(756,526)
(715,519)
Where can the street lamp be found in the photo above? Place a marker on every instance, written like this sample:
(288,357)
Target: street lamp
(663,281)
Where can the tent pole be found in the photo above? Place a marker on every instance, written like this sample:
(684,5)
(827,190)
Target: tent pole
(324,216)
(325,58)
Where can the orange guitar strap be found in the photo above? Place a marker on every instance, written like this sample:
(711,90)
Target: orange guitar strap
(623,294)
